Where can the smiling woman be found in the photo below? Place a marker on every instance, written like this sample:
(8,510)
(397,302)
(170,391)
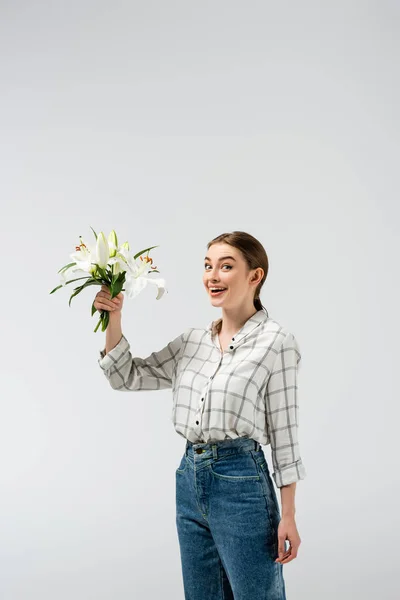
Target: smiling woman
(234,385)
(237,263)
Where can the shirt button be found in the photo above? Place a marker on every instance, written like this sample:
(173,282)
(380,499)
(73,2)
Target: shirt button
(202,399)
(197,422)
(231,347)
(233,339)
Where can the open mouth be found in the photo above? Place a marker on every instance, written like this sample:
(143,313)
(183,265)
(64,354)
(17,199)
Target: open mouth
(217,293)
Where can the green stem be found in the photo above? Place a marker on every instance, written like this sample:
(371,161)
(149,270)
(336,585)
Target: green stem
(99,323)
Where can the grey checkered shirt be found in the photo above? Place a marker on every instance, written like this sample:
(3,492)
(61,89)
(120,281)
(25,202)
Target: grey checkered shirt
(249,390)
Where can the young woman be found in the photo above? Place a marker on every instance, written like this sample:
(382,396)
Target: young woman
(234,387)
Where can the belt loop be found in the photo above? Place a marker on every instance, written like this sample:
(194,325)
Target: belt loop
(214,449)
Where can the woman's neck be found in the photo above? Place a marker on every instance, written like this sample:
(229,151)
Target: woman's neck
(230,323)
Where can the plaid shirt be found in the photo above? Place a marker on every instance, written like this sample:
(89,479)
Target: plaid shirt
(249,390)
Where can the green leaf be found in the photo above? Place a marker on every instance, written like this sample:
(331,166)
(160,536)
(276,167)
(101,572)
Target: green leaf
(103,273)
(94,310)
(77,279)
(117,284)
(67,267)
(56,288)
(95,234)
(75,293)
(67,282)
(82,287)
(143,251)
(106,320)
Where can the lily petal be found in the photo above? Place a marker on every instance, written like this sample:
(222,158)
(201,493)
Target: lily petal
(113,243)
(134,285)
(160,283)
(103,250)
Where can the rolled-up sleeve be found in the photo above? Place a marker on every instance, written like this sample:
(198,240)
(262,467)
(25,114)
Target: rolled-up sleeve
(154,372)
(282,414)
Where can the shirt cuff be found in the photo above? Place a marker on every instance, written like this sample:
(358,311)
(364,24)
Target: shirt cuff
(106,361)
(289,474)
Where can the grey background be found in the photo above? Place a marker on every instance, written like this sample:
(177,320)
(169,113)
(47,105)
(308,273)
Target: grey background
(173,122)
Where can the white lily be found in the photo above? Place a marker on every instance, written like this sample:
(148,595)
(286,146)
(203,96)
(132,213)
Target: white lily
(72,273)
(137,278)
(84,257)
(120,258)
(111,259)
(113,243)
(102,250)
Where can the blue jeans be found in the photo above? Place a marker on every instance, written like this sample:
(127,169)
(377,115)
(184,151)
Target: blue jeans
(227,517)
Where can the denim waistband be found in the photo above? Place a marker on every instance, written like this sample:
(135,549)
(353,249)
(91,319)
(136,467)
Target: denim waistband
(220,447)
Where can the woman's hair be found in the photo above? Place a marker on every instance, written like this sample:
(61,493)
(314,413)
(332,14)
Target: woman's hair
(253,253)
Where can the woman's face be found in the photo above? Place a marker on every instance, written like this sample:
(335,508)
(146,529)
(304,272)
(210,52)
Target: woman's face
(230,273)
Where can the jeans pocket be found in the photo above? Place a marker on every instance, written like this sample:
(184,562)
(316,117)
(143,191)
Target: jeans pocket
(238,466)
(182,465)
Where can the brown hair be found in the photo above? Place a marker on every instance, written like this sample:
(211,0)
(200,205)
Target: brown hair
(253,253)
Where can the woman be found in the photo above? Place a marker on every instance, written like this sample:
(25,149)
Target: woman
(234,389)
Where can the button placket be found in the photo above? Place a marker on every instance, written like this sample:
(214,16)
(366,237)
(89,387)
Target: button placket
(210,379)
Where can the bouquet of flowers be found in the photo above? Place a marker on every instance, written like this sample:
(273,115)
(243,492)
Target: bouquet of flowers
(106,263)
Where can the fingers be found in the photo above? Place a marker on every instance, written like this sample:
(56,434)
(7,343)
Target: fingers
(281,545)
(105,288)
(287,556)
(110,306)
(103,300)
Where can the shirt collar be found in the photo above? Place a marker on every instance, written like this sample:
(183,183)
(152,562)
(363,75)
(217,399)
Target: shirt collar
(259,317)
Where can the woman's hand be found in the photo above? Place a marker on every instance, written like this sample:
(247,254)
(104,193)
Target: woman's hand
(103,301)
(287,530)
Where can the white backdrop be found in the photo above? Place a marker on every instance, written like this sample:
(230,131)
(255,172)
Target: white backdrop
(173,122)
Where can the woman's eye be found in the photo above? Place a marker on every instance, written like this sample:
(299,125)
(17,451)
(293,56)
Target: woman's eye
(229,266)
